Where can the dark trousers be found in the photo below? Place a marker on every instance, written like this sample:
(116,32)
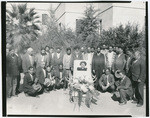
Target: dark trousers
(124,94)
(12,84)
(33,92)
(140,92)
(18,83)
(109,89)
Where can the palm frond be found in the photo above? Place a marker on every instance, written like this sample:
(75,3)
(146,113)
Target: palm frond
(22,8)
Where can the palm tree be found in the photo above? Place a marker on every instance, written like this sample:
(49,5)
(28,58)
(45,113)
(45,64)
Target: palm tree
(21,25)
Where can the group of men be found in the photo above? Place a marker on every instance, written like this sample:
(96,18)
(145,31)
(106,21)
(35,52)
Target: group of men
(51,70)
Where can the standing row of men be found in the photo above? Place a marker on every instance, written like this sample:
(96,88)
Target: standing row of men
(100,59)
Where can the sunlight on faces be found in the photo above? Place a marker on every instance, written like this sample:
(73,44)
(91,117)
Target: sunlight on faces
(42,64)
(51,50)
(107,71)
(58,50)
(88,49)
(82,49)
(110,49)
(48,69)
(30,51)
(60,67)
(69,52)
(77,51)
(98,49)
(137,55)
(47,49)
(31,71)
(92,49)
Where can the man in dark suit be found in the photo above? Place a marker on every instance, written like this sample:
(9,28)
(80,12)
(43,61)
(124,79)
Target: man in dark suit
(138,69)
(51,56)
(60,76)
(12,71)
(58,58)
(107,81)
(20,70)
(82,68)
(42,56)
(130,59)
(28,60)
(42,75)
(31,86)
(120,61)
(98,66)
(124,87)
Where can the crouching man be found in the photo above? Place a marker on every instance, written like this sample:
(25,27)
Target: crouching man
(42,77)
(107,81)
(30,84)
(124,87)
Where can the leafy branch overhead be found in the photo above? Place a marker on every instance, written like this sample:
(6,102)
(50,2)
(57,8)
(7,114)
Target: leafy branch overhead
(21,25)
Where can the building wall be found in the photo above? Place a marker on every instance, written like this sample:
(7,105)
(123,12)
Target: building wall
(60,13)
(106,15)
(133,13)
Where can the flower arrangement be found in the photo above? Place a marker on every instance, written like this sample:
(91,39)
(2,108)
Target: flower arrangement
(83,88)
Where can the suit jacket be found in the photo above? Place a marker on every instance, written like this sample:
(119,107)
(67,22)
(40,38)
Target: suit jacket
(26,63)
(38,59)
(40,75)
(28,82)
(119,63)
(56,73)
(51,59)
(103,79)
(74,57)
(138,70)
(57,60)
(125,84)
(98,62)
(19,61)
(12,65)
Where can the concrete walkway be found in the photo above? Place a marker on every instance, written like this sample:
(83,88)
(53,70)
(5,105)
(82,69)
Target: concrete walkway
(57,103)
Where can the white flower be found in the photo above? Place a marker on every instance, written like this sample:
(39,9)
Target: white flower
(91,87)
(75,81)
(84,88)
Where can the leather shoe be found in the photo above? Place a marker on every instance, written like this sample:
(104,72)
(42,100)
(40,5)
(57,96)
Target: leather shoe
(123,103)
(134,102)
(139,105)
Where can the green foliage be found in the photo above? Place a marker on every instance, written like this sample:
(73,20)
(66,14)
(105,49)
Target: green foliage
(87,32)
(54,35)
(21,26)
(127,36)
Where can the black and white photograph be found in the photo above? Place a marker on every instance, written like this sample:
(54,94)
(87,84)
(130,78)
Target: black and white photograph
(75,58)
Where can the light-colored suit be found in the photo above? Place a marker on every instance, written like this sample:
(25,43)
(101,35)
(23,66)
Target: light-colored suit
(26,62)
(39,59)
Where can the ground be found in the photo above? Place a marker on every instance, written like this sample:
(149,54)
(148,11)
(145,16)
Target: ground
(57,103)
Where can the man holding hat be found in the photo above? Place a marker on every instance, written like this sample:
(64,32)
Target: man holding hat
(124,87)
